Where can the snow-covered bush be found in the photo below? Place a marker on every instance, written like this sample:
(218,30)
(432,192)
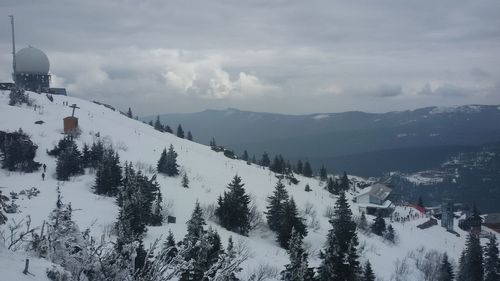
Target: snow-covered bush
(312,221)
(57,273)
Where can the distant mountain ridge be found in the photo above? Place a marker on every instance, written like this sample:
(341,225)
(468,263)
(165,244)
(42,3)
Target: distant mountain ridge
(325,138)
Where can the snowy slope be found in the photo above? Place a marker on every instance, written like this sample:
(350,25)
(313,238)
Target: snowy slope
(209,173)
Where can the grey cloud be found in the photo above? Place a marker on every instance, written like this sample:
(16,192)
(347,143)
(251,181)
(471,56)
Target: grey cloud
(281,56)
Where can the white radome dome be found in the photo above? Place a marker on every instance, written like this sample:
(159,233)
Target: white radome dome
(32,60)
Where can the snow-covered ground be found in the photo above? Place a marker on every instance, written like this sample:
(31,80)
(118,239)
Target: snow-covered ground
(209,173)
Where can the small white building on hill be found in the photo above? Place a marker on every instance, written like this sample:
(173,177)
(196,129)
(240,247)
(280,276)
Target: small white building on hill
(373,199)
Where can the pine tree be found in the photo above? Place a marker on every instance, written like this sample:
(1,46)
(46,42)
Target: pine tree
(344,182)
(135,200)
(190,136)
(462,274)
(339,258)
(298,269)
(299,168)
(202,257)
(491,260)
(276,206)
(244,156)
(185,181)
(168,129)
(476,219)
(265,161)
(278,165)
(96,154)
(167,164)
(389,234)
(227,265)
(108,175)
(129,113)
(158,126)
(86,156)
(378,226)
(472,264)
(161,166)
(213,143)
(233,208)
(169,249)
(140,256)
(307,172)
(445,270)
(368,274)
(195,226)
(69,163)
(290,220)
(330,185)
(323,174)
(180,131)
(205,250)
(363,223)
(172,168)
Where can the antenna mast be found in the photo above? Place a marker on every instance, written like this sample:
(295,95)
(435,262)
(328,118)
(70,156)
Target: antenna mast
(13,48)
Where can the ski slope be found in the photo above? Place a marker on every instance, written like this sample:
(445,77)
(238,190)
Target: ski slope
(209,173)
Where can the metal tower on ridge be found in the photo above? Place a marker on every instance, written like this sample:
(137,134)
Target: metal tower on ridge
(13,48)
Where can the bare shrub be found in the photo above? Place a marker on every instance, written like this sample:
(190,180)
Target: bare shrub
(427,262)
(264,272)
(15,236)
(255,217)
(168,208)
(329,212)
(209,211)
(120,145)
(147,168)
(401,270)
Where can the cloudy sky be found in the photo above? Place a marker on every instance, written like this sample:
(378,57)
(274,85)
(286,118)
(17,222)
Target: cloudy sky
(296,57)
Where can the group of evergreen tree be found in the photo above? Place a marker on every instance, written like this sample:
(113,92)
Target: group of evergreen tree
(477,263)
(298,269)
(282,216)
(323,173)
(304,169)
(378,227)
(84,258)
(233,210)
(139,200)
(17,152)
(280,166)
(18,97)
(168,162)
(337,185)
(109,173)
(339,258)
(157,125)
